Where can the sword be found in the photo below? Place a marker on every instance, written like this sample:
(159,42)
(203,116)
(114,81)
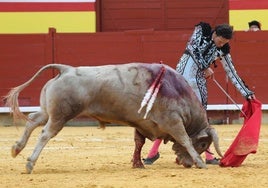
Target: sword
(217,83)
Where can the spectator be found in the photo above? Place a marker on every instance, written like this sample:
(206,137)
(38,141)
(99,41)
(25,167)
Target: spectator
(254,26)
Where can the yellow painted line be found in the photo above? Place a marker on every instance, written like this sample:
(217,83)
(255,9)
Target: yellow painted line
(240,18)
(39,22)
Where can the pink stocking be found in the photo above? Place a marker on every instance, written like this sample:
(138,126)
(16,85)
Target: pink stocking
(209,156)
(154,148)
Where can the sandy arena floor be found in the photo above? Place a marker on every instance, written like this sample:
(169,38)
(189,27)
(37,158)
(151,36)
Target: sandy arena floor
(91,157)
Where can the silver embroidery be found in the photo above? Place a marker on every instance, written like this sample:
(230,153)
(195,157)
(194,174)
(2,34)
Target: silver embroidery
(200,54)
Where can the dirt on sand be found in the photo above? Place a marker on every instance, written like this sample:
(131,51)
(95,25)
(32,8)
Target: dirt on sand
(91,157)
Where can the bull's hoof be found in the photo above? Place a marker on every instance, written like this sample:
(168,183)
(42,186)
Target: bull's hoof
(15,151)
(138,165)
(187,165)
(29,167)
(201,165)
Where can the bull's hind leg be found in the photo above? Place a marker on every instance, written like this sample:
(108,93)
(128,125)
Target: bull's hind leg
(50,130)
(36,119)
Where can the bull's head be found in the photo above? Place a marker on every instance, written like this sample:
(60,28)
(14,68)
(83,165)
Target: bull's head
(201,143)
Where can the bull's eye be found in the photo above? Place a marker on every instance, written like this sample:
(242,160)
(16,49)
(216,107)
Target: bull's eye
(204,145)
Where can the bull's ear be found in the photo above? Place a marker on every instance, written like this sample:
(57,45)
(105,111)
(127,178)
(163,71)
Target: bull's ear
(202,134)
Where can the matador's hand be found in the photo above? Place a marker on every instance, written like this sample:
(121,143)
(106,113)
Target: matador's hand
(208,73)
(250,97)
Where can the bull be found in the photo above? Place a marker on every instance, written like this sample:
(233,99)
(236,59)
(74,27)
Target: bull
(118,94)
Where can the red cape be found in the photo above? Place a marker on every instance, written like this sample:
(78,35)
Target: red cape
(247,140)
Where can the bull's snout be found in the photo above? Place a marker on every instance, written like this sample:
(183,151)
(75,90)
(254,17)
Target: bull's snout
(185,163)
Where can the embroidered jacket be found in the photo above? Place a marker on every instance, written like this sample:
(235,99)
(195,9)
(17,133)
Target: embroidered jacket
(203,50)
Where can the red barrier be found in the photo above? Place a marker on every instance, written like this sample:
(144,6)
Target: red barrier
(22,55)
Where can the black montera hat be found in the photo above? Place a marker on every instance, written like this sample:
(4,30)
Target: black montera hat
(254,22)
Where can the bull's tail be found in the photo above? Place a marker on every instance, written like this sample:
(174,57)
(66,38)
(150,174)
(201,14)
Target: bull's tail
(11,98)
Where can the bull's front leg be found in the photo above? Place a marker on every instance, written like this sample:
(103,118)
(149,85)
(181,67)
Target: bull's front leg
(181,136)
(139,142)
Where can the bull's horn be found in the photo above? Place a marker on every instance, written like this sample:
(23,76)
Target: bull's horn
(215,140)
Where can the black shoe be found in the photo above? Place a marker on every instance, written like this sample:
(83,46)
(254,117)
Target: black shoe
(149,161)
(214,161)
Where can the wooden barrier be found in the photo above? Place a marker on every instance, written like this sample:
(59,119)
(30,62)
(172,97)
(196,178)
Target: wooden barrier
(23,54)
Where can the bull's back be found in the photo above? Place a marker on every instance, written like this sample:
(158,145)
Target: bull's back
(95,90)
(116,91)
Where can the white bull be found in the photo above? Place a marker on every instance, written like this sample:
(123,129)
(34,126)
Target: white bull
(114,93)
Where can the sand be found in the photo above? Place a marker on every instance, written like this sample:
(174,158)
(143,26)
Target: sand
(91,157)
